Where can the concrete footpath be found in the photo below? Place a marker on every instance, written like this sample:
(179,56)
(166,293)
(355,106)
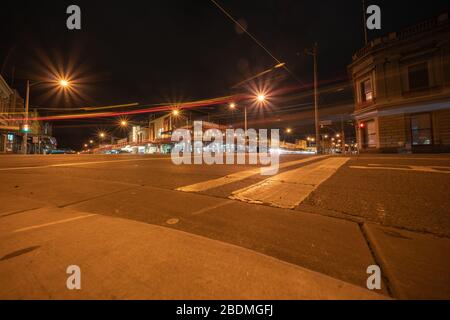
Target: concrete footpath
(125,259)
(416,264)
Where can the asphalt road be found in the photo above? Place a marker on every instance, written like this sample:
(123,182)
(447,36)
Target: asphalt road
(323,231)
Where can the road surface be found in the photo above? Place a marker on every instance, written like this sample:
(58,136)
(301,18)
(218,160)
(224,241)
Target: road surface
(326,217)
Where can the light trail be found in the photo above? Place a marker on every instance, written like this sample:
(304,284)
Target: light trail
(168,107)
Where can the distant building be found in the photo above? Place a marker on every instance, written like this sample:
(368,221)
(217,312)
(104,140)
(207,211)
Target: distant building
(12,109)
(10,102)
(161,129)
(402,90)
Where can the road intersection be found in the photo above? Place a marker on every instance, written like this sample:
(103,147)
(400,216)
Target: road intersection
(338,220)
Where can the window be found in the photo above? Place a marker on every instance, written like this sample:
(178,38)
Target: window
(421,129)
(366,91)
(370,135)
(418,76)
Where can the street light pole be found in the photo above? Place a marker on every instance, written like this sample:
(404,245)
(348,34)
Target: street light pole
(313,52)
(27,103)
(343,135)
(316,100)
(245,120)
(62,82)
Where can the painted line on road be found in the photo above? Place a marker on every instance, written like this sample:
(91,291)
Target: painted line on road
(220,205)
(73,164)
(238,176)
(407,168)
(287,190)
(53,223)
(401,158)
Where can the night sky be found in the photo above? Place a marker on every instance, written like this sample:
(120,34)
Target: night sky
(165,51)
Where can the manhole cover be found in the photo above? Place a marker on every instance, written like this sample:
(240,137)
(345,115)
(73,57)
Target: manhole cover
(172,221)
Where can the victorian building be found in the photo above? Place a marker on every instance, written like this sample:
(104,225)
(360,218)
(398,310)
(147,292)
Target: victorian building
(402,90)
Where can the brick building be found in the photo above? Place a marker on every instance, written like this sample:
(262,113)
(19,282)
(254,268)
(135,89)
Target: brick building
(401,85)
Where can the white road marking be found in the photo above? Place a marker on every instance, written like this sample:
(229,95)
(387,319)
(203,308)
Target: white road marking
(238,176)
(222,204)
(73,164)
(402,158)
(287,190)
(432,169)
(53,223)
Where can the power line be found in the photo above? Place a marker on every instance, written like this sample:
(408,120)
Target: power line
(255,40)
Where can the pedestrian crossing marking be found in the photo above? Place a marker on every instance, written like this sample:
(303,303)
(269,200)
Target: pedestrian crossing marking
(238,176)
(289,189)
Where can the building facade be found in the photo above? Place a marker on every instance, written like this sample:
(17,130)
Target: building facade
(12,107)
(401,86)
(10,102)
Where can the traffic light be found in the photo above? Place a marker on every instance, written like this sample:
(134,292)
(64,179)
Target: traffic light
(26,128)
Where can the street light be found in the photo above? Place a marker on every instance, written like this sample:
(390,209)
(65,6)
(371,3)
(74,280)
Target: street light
(261,97)
(288,130)
(124,123)
(62,82)
(233,107)
(91,141)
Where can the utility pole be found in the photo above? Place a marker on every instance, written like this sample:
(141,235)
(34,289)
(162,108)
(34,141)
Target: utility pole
(26,126)
(364,22)
(245,120)
(313,52)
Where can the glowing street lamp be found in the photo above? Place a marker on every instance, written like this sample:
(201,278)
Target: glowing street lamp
(64,83)
(91,141)
(232,105)
(288,130)
(261,98)
(176,112)
(124,123)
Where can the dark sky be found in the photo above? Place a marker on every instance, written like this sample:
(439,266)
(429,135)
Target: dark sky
(159,51)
